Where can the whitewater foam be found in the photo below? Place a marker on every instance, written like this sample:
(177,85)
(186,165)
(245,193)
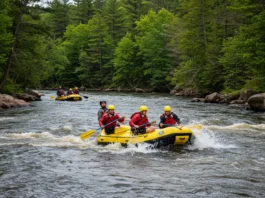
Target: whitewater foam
(6,118)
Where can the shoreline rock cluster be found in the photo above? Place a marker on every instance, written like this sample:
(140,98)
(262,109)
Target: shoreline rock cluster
(19,99)
(7,101)
(247,99)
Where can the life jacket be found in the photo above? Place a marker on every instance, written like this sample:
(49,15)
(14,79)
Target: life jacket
(168,119)
(61,92)
(76,91)
(107,118)
(70,92)
(138,120)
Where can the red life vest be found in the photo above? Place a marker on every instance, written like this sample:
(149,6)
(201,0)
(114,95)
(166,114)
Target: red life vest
(138,119)
(108,118)
(76,91)
(168,119)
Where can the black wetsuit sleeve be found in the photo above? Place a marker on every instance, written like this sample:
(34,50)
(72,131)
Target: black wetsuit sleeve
(176,118)
(162,120)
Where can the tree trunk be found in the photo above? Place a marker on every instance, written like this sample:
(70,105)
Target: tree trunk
(10,57)
(203,23)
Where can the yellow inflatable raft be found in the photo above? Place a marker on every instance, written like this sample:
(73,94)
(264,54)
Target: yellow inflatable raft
(72,97)
(160,137)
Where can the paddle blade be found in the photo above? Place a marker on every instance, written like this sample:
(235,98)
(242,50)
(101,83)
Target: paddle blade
(87,134)
(52,97)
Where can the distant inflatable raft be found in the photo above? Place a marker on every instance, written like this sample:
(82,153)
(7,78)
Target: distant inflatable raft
(72,97)
(160,137)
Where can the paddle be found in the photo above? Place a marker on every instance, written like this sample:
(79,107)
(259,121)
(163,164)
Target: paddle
(152,123)
(89,133)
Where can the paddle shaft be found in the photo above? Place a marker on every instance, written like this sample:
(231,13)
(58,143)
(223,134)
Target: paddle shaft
(110,123)
(144,124)
(87,134)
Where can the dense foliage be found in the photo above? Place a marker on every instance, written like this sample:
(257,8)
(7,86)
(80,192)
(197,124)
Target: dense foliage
(205,45)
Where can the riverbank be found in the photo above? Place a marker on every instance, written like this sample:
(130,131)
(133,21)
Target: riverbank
(247,99)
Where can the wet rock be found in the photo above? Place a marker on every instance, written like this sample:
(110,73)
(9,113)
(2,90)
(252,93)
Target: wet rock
(214,98)
(25,97)
(176,89)
(237,102)
(4,105)
(188,92)
(257,102)
(245,95)
(36,95)
(28,96)
(197,100)
(181,93)
(185,92)
(7,101)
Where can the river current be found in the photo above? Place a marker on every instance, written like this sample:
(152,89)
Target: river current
(41,154)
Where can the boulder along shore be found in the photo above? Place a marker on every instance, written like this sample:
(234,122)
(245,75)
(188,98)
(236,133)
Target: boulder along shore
(19,99)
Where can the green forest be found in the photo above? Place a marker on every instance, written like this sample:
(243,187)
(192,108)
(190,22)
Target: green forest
(205,45)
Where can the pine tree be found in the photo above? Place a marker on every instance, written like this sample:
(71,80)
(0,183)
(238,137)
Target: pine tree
(60,16)
(5,34)
(82,11)
(152,40)
(114,15)
(127,71)
(244,53)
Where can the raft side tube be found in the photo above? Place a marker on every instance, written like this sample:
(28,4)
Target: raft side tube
(72,97)
(160,137)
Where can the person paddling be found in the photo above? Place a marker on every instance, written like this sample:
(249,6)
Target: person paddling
(60,91)
(168,118)
(102,109)
(76,91)
(139,122)
(69,92)
(109,117)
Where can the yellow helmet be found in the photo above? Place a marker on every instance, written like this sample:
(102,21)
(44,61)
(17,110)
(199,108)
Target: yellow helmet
(76,87)
(167,108)
(70,89)
(111,107)
(143,108)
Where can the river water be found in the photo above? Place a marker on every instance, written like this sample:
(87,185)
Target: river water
(41,154)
